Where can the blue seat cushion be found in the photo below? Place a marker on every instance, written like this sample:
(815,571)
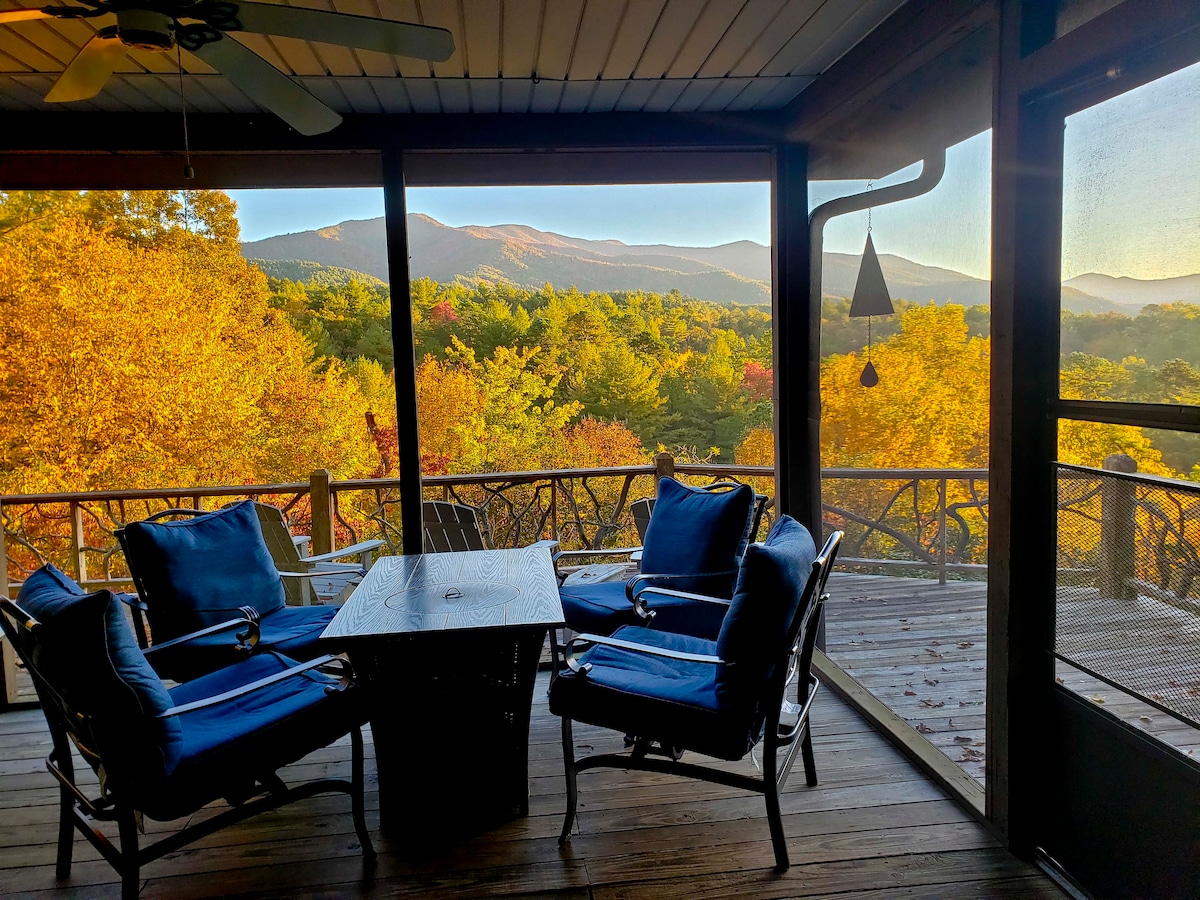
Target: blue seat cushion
(294,631)
(224,748)
(667,700)
(770,587)
(696,532)
(199,571)
(599,608)
(87,653)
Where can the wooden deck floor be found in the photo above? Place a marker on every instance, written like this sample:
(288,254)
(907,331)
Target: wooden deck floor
(874,828)
(922,648)
(919,647)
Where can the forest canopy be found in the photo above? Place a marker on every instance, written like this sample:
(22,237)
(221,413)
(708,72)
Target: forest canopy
(139,349)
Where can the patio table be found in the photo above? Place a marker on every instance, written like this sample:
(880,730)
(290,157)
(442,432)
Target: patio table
(446,646)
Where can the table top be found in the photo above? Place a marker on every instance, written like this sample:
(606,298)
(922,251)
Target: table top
(433,592)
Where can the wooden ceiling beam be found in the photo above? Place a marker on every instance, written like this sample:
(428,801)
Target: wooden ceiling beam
(223,133)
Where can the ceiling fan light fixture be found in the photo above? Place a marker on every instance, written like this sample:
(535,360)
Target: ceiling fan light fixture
(146,29)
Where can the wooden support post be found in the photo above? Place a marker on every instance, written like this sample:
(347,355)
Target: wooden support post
(321,498)
(1117,530)
(1027,147)
(664,467)
(408,433)
(796,326)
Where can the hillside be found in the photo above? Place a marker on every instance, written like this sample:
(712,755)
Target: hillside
(313,272)
(739,272)
(1131,294)
(526,257)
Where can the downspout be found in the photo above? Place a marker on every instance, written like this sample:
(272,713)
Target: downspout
(932,169)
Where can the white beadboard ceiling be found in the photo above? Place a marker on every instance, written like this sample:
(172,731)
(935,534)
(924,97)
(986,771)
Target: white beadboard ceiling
(518,56)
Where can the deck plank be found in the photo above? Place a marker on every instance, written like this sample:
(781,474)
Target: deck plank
(873,824)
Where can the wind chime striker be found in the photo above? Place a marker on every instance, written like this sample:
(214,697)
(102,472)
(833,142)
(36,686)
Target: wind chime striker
(871,298)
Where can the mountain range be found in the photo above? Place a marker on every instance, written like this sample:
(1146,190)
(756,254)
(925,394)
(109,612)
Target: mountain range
(738,272)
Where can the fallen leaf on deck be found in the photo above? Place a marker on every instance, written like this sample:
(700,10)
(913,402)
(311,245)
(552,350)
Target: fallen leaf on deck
(924,729)
(970,755)
(1096,698)
(910,693)
(936,643)
(962,739)
(1145,718)
(963,645)
(931,681)
(929,704)
(905,628)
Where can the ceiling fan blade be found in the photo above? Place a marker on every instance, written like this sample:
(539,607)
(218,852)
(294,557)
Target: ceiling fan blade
(268,87)
(22,15)
(89,71)
(399,38)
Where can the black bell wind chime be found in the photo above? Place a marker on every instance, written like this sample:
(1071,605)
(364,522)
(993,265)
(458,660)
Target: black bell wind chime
(871,298)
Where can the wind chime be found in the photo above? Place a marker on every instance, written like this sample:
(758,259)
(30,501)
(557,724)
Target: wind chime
(871,298)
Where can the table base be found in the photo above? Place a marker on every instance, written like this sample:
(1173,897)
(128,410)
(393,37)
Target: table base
(450,721)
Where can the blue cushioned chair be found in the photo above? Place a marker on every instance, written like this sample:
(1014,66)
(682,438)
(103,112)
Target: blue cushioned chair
(206,569)
(693,542)
(165,753)
(715,697)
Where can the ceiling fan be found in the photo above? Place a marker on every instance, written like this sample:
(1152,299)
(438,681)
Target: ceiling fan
(201,26)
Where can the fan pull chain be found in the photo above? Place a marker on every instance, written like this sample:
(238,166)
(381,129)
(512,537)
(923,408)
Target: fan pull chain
(188,172)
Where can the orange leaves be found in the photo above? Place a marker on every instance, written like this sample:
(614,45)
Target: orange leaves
(127,365)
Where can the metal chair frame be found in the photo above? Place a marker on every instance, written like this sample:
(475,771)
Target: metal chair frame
(76,809)
(801,642)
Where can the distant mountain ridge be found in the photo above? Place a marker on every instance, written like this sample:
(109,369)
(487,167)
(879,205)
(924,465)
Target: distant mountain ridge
(739,272)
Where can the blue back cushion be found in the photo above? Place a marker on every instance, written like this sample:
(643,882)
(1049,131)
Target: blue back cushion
(198,571)
(87,653)
(696,532)
(769,589)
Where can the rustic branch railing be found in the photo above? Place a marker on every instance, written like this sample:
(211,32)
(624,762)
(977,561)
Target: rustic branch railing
(910,519)
(896,519)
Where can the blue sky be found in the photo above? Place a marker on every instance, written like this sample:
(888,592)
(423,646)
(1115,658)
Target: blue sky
(1131,200)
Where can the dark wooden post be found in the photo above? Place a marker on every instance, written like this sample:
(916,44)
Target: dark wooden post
(1117,530)
(664,467)
(796,326)
(1027,151)
(408,432)
(321,499)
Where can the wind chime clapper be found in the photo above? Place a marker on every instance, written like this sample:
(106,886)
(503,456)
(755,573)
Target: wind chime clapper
(871,298)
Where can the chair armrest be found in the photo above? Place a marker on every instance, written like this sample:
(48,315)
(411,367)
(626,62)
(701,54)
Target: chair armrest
(301,542)
(650,591)
(353,550)
(633,647)
(331,569)
(347,679)
(246,640)
(581,554)
(639,583)
(131,600)
(549,543)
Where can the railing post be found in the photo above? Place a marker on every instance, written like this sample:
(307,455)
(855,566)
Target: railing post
(8,657)
(664,467)
(77,541)
(321,499)
(942,531)
(1118,557)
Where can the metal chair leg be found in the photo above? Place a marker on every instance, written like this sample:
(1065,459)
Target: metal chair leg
(130,867)
(357,804)
(568,739)
(810,763)
(66,821)
(774,812)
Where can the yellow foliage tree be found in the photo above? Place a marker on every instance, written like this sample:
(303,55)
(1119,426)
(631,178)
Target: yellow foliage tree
(134,366)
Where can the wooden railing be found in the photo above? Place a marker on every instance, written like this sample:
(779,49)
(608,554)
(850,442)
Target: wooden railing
(925,520)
